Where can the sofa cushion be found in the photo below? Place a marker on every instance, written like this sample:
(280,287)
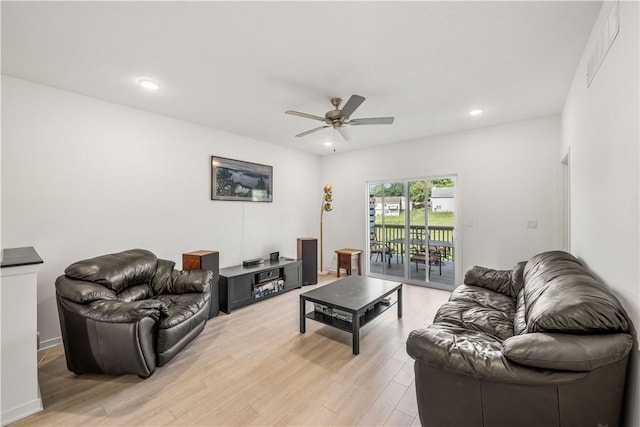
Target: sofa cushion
(116,271)
(162,279)
(517,279)
(479,309)
(560,295)
(135,293)
(123,312)
(519,321)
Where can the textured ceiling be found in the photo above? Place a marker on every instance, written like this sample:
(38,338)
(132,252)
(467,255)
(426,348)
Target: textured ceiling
(237,66)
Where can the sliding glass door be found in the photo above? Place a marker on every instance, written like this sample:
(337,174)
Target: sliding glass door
(411,230)
(386,227)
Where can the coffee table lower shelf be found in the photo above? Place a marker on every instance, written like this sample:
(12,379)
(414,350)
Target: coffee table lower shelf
(343,325)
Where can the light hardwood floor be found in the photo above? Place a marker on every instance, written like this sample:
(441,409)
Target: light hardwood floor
(254,368)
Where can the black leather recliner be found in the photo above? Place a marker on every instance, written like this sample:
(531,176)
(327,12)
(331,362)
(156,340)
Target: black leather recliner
(129,312)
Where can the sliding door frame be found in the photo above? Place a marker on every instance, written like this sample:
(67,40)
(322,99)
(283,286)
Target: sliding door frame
(407,223)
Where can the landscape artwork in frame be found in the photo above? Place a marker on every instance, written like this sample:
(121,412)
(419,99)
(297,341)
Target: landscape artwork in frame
(241,181)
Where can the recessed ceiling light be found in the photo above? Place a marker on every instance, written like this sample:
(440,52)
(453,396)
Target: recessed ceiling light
(328,143)
(149,84)
(476,112)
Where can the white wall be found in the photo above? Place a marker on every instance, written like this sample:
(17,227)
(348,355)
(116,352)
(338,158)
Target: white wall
(600,129)
(506,175)
(82,177)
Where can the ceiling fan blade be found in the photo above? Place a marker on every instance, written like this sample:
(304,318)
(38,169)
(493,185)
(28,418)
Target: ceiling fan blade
(373,121)
(312,130)
(351,105)
(344,131)
(308,116)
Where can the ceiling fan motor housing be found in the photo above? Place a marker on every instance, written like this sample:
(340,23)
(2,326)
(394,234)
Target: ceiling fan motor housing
(334,117)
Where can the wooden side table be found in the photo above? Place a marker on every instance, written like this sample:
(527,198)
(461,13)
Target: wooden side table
(349,258)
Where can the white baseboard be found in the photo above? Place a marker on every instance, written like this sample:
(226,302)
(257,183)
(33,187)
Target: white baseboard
(50,343)
(14,414)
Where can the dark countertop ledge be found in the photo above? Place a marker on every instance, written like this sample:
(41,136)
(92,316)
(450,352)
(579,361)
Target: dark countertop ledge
(14,257)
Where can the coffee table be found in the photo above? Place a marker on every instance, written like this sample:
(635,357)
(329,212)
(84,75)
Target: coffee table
(361,297)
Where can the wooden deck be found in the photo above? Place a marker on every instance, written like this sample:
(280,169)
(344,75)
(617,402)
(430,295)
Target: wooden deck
(254,367)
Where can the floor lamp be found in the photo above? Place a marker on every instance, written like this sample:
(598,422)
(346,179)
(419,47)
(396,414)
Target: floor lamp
(327,198)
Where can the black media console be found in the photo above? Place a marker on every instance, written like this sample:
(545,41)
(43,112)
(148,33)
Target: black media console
(240,286)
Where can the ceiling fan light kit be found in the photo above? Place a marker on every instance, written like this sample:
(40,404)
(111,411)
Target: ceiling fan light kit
(339,119)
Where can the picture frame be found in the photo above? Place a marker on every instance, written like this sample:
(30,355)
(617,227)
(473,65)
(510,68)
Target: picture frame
(237,180)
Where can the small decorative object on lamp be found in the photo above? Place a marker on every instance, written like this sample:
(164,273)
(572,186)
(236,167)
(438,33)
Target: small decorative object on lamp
(326,207)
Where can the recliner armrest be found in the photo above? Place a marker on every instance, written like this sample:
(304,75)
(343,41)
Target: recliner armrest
(168,281)
(124,312)
(188,282)
(566,351)
(81,291)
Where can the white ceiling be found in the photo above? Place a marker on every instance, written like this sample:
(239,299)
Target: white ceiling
(237,66)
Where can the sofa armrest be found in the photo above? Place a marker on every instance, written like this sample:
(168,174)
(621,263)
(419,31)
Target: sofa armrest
(456,349)
(488,278)
(476,354)
(565,351)
(111,337)
(124,312)
(506,282)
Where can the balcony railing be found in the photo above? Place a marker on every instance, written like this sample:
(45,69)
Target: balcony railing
(391,234)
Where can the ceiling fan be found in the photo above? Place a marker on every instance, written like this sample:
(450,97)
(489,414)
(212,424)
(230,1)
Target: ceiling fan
(340,119)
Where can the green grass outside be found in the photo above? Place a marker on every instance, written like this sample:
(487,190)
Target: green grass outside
(417,218)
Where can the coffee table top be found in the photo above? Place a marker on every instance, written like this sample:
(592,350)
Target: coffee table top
(353,293)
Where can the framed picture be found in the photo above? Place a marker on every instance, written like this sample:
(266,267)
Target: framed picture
(241,181)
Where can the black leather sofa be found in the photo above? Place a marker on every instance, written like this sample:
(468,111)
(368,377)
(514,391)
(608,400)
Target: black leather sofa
(543,344)
(129,312)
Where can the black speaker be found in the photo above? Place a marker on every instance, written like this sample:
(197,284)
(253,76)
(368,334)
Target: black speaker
(308,254)
(205,260)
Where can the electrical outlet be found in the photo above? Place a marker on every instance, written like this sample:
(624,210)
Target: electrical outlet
(532,224)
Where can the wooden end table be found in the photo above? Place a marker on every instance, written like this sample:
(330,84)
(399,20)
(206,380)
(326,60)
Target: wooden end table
(348,258)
